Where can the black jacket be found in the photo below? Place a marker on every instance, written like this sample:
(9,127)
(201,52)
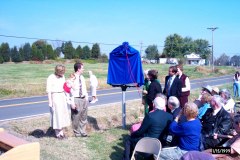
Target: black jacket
(153,124)
(176,87)
(220,125)
(154,88)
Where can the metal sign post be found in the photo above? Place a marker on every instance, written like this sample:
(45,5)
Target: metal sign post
(124,88)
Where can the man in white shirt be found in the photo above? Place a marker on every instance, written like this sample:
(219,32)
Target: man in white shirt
(79,102)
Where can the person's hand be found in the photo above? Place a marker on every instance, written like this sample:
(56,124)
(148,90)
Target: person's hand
(73,106)
(145,92)
(215,135)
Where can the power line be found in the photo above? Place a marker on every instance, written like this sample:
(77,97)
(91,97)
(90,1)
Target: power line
(57,40)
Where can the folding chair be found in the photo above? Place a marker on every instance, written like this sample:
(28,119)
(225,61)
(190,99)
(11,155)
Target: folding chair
(148,145)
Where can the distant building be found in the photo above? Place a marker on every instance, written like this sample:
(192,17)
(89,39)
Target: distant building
(168,60)
(194,59)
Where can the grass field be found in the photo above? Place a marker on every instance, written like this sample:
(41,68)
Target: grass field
(106,139)
(21,80)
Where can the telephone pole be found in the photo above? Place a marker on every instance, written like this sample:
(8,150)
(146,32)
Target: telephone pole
(212,29)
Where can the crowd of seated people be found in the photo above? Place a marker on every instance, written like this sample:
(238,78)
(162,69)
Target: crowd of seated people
(190,130)
(195,128)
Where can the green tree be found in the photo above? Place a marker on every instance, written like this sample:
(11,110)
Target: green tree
(152,52)
(50,53)
(58,51)
(86,52)
(1,59)
(202,48)
(95,51)
(79,52)
(37,54)
(5,52)
(173,46)
(26,52)
(68,50)
(42,48)
(15,55)
(188,46)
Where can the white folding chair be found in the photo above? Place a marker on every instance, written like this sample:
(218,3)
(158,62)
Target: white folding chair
(148,145)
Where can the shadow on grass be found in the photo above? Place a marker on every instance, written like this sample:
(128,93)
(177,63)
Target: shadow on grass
(119,147)
(39,133)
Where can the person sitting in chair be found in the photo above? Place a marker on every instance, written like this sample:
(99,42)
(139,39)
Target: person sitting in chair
(153,126)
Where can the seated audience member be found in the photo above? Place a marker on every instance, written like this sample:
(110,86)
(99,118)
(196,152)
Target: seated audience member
(233,143)
(205,101)
(174,106)
(189,133)
(215,91)
(205,89)
(215,121)
(153,125)
(228,102)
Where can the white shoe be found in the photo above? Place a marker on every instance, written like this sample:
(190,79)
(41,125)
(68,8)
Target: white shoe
(96,99)
(93,101)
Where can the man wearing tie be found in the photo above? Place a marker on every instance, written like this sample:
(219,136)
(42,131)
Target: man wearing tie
(173,85)
(79,103)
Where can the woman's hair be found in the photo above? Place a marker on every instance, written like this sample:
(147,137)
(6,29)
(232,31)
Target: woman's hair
(153,73)
(237,74)
(59,70)
(206,97)
(190,110)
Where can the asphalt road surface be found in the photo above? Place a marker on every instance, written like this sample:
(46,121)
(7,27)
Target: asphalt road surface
(38,105)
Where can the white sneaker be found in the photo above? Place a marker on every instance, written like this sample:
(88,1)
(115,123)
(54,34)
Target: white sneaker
(96,100)
(93,101)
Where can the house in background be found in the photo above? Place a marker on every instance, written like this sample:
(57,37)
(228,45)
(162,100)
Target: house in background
(194,59)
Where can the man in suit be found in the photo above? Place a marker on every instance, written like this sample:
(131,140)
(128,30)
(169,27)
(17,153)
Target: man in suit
(173,85)
(154,124)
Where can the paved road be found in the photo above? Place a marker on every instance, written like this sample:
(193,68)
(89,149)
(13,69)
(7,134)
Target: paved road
(37,105)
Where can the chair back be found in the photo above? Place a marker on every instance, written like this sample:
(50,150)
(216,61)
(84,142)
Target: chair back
(148,145)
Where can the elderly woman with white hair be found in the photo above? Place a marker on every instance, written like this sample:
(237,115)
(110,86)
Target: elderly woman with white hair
(154,124)
(228,102)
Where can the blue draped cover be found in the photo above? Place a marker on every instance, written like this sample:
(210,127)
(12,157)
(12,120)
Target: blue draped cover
(125,67)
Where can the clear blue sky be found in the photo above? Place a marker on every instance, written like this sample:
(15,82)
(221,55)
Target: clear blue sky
(113,22)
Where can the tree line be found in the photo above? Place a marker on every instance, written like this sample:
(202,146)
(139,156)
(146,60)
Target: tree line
(40,50)
(175,46)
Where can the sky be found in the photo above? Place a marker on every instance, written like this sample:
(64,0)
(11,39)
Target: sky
(110,22)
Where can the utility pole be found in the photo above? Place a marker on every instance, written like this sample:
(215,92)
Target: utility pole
(212,29)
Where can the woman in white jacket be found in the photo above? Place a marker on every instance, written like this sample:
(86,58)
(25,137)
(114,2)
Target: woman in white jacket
(93,87)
